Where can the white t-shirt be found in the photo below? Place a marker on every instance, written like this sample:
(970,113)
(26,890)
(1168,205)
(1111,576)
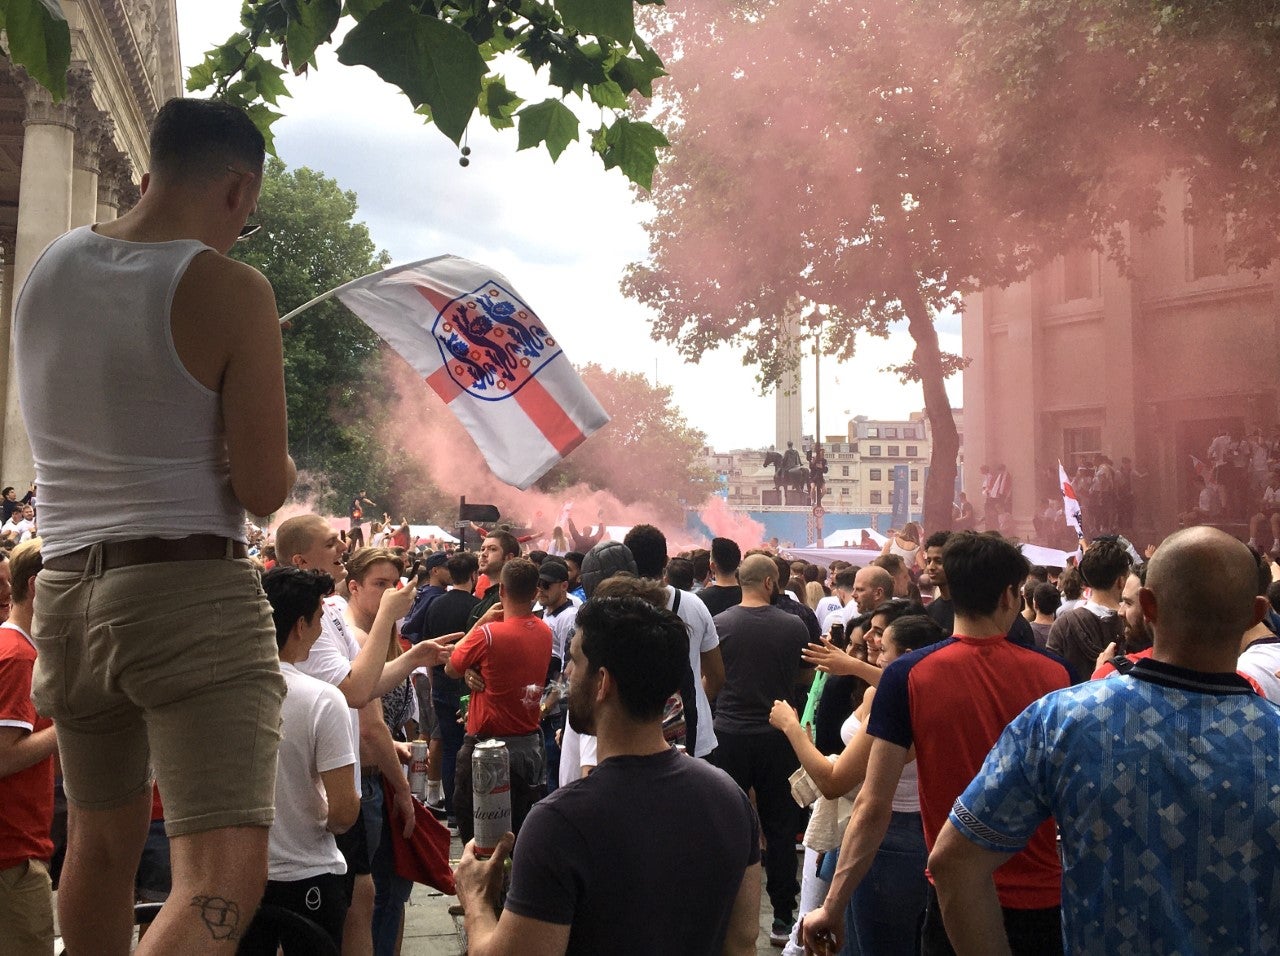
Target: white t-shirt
(315,737)
(1260,661)
(826,607)
(562,629)
(331,656)
(575,750)
(19,526)
(702,638)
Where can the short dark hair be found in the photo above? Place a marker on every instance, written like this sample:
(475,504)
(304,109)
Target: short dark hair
(507,541)
(520,579)
(194,138)
(537,557)
(726,554)
(1039,573)
(1273,595)
(914,631)
(813,572)
(895,608)
(1071,584)
(1046,598)
(1104,562)
(701,559)
(648,547)
(574,557)
(979,568)
(938,539)
(680,573)
(845,578)
(294,594)
(461,565)
(645,650)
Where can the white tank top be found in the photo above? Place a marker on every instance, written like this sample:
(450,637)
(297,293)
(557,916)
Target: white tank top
(906,799)
(127,444)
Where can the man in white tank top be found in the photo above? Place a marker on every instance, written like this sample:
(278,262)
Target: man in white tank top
(155,638)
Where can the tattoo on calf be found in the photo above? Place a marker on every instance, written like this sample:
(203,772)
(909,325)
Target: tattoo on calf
(221,916)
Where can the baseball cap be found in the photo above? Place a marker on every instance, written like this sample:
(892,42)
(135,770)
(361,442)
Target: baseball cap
(434,560)
(552,572)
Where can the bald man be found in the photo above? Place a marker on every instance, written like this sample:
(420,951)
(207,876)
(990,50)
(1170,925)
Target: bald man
(1162,783)
(761,647)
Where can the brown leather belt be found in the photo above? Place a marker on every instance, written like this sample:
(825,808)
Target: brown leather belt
(122,554)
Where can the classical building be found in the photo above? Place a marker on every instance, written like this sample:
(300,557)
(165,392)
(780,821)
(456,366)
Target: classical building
(1082,359)
(77,161)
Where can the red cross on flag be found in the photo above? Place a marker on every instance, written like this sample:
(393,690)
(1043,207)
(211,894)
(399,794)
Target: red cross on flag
(484,351)
(1070,503)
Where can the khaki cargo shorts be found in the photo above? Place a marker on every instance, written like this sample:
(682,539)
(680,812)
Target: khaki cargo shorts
(172,665)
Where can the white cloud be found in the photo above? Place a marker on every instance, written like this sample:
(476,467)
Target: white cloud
(562,232)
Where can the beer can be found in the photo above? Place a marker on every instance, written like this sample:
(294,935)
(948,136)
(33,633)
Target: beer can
(418,768)
(491,794)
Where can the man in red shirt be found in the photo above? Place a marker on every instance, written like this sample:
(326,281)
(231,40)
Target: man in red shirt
(505,658)
(27,744)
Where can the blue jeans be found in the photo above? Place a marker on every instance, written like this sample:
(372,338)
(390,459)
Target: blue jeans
(390,891)
(886,910)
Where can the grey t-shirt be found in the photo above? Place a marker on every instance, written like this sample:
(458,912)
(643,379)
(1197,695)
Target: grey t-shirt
(761,649)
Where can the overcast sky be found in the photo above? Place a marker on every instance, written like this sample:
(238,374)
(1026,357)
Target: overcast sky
(562,233)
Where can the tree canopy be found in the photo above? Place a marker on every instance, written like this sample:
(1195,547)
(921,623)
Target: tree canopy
(443,55)
(782,213)
(647,452)
(309,243)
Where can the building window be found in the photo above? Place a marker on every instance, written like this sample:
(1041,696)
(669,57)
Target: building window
(1207,239)
(913,451)
(893,451)
(1077,275)
(911,432)
(1080,445)
(844,490)
(891,433)
(875,474)
(853,449)
(874,452)
(875,498)
(915,497)
(873,433)
(915,475)
(844,471)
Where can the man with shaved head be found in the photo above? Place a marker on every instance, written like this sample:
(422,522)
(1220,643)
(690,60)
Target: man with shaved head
(761,647)
(1162,783)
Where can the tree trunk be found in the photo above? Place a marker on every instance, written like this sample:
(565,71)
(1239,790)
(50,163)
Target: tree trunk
(939,489)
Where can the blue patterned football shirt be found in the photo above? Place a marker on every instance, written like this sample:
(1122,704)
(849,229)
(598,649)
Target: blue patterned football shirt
(1165,784)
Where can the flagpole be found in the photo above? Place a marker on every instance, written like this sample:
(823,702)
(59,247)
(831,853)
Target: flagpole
(385,272)
(316,301)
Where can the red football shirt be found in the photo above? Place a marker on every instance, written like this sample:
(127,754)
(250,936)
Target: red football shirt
(513,657)
(26,796)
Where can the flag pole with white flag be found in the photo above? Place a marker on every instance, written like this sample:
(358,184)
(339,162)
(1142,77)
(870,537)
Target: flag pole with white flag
(1070,503)
(482,349)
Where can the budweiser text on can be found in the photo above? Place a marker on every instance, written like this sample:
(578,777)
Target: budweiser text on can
(418,768)
(491,794)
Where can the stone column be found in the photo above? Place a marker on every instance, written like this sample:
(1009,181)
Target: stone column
(115,171)
(44,213)
(8,242)
(93,131)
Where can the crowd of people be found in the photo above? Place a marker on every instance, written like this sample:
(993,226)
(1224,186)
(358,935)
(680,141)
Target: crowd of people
(981,756)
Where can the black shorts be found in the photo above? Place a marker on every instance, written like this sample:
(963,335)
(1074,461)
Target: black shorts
(322,900)
(354,846)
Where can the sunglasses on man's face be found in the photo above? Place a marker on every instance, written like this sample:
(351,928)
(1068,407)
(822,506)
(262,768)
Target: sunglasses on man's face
(249,229)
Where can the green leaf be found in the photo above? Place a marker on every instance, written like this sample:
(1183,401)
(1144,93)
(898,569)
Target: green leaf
(614,19)
(200,76)
(498,103)
(608,94)
(633,148)
(311,22)
(637,74)
(549,122)
(359,9)
(265,77)
(431,61)
(263,117)
(40,41)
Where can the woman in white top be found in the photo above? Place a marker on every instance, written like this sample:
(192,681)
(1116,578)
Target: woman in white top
(559,546)
(884,913)
(906,545)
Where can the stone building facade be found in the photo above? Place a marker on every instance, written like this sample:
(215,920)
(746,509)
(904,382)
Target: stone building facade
(1150,363)
(80,160)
